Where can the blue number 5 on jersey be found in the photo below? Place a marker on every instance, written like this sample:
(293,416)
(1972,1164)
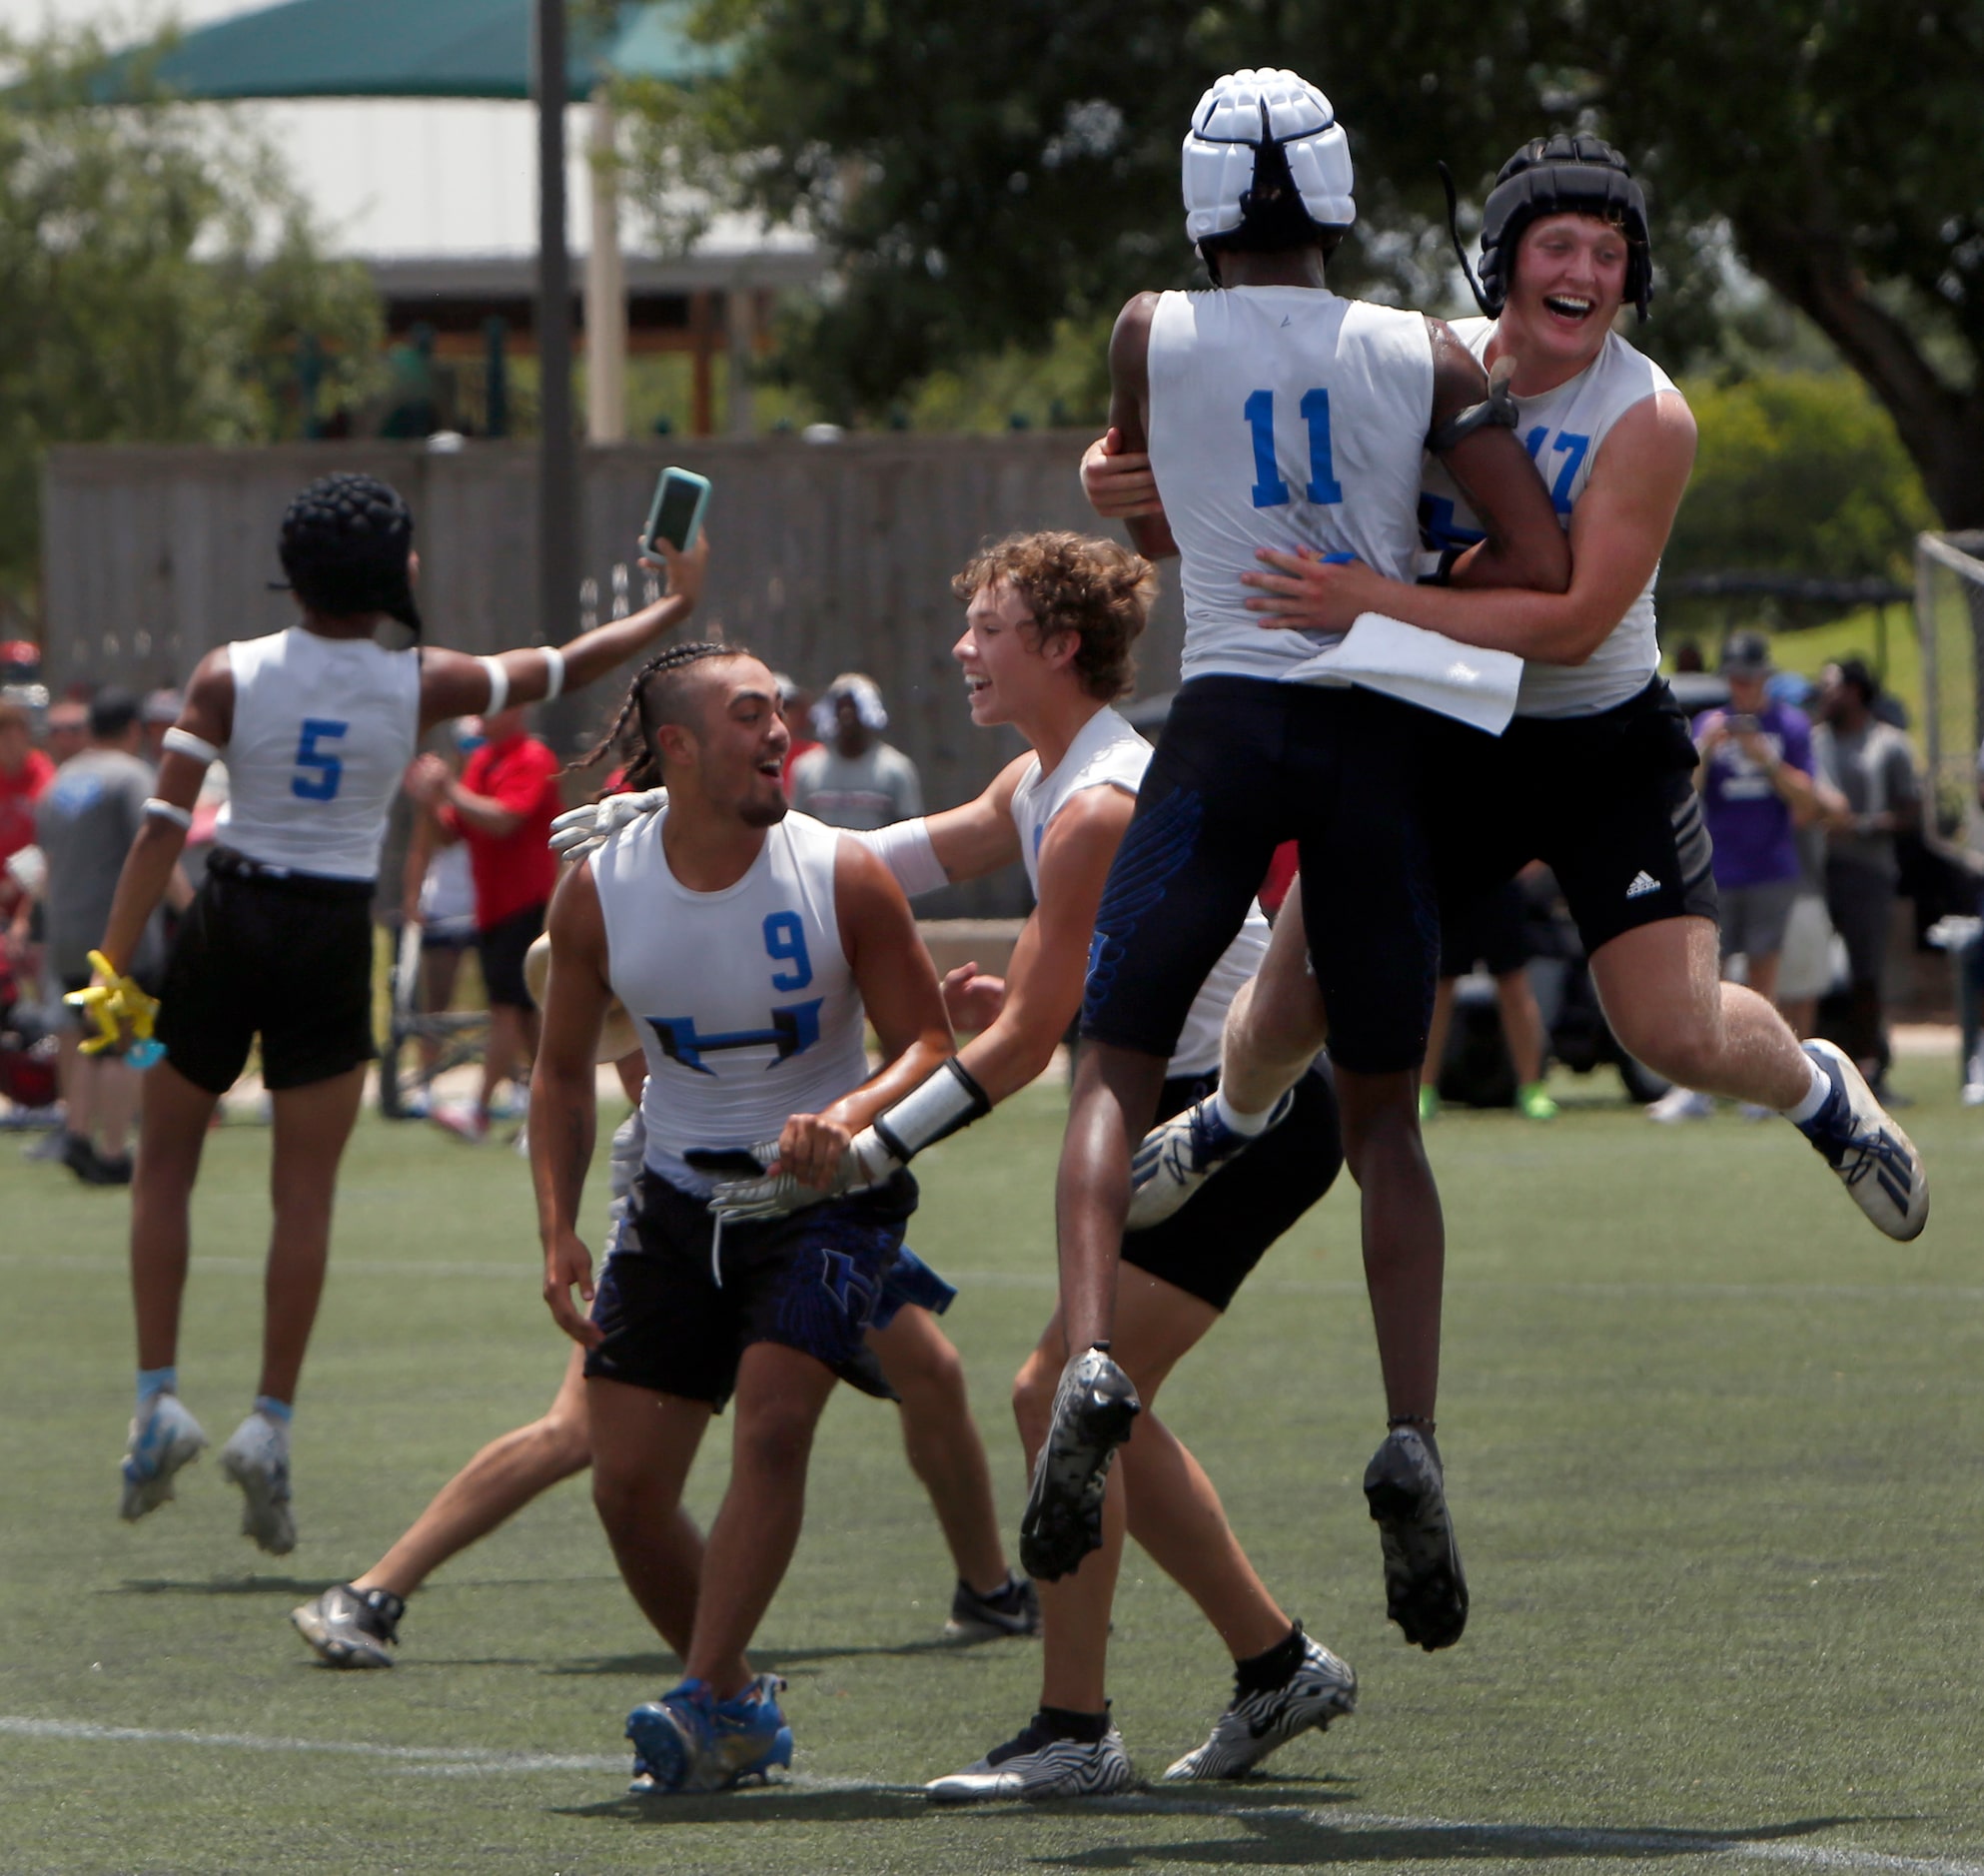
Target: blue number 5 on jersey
(326,765)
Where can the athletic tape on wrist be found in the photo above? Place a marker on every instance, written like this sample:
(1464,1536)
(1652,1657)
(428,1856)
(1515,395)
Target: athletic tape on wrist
(905,848)
(933,1109)
(498,685)
(553,672)
(161,810)
(185,742)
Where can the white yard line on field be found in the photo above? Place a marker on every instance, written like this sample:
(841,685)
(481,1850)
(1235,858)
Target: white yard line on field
(1347,1825)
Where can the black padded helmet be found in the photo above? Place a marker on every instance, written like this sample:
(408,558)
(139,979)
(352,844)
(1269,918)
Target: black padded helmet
(344,544)
(1562,174)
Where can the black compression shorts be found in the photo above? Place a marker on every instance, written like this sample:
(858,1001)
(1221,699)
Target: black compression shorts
(810,1281)
(1606,801)
(1209,1244)
(287,958)
(1243,765)
(1491,932)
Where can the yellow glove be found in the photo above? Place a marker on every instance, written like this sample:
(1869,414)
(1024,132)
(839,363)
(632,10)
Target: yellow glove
(113,1003)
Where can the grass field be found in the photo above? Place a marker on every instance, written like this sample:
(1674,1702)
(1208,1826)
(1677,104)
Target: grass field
(1713,1450)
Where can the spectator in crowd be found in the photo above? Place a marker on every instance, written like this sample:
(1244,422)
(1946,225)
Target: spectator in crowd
(501,808)
(24,773)
(438,892)
(1869,762)
(66,731)
(1493,934)
(795,713)
(84,823)
(854,780)
(1755,782)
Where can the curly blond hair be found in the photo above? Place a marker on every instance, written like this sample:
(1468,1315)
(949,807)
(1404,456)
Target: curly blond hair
(1100,591)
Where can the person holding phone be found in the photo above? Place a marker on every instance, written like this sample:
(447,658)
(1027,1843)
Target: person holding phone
(1757,790)
(317,723)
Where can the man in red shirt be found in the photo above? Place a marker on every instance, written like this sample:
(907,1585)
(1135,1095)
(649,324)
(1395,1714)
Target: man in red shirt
(24,773)
(502,806)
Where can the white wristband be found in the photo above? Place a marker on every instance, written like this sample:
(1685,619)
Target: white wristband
(906,849)
(931,1111)
(159,810)
(553,672)
(185,742)
(498,685)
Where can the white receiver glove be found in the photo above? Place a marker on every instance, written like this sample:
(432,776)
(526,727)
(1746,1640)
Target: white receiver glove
(584,830)
(866,1163)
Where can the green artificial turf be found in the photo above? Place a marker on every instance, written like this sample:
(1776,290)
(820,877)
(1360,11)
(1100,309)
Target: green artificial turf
(1713,1452)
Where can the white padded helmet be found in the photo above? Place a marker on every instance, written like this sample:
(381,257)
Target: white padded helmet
(1243,114)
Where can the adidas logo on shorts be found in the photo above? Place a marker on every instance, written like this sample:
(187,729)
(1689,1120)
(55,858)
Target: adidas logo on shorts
(1643,882)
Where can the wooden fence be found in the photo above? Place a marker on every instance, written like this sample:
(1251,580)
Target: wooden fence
(826,557)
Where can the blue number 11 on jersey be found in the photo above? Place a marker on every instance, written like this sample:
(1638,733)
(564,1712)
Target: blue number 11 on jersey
(1270,492)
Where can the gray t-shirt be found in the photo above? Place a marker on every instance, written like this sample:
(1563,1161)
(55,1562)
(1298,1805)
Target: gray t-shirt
(85,823)
(860,792)
(1874,768)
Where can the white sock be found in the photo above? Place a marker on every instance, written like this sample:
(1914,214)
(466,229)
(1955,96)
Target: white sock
(1231,1117)
(1816,1096)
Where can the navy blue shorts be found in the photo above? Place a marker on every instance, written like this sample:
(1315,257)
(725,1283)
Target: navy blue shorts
(1211,1243)
(1243,765)
(810,1281)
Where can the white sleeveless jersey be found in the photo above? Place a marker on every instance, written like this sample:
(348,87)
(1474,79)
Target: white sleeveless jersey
(1108,753)
(323,730)
(1282,416)
(1563,431)
(746,1006)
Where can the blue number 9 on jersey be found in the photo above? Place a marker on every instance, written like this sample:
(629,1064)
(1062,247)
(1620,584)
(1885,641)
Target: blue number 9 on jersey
(326,765)
(785,940)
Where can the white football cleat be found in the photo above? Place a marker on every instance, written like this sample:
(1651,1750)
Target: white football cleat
(1178,1155)
(1036,1764)
(1321,1688)
(1876,1162)
(163,1437)
(257,1459)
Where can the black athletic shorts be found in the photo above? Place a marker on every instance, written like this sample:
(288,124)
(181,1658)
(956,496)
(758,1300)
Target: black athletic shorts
(1492,932)
(809,1282)
(1243,765)
(502,947)
(1607,802)
(287,958)
(1209,1244)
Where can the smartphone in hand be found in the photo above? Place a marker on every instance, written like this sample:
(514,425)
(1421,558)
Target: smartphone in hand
(676,513)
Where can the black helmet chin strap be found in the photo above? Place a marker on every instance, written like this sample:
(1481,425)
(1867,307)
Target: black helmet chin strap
(1454,233)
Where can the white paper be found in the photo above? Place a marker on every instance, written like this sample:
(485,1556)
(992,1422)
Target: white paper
(1421,668)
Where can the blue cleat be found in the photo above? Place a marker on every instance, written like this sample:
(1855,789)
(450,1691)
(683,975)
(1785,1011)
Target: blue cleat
(1856,1137)
(688,1742)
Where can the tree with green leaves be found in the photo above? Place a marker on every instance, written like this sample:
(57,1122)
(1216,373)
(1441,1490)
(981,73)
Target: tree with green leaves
(982,173)
(161,275)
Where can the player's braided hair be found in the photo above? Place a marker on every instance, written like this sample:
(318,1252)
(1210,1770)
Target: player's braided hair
(1079,583)
(653,699)
(344,544)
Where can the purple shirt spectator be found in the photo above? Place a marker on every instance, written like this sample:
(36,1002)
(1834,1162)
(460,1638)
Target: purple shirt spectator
(1748,820)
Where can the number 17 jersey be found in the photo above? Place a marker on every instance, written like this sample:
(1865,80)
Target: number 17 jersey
(744,1002)
(1282,416)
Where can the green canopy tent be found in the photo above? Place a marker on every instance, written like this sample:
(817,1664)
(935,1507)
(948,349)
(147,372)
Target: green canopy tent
(471,49)
(414,49)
